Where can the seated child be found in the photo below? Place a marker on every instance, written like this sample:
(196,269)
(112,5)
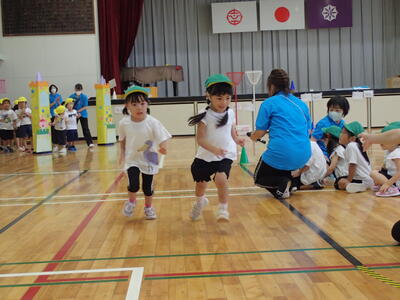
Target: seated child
(387,180)
(337,167)
(338,107)
(312,174)
(358,179)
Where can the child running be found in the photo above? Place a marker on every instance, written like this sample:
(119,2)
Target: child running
(217,139)
(358,179)
(140,136)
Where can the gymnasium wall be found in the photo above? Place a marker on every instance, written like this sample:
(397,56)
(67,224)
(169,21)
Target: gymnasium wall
(179,32)
(61,59)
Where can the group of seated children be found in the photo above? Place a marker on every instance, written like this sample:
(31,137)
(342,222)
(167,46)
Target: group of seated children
(338,155)
(15,125)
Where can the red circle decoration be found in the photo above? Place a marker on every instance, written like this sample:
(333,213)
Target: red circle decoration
(282,14)
(234,17)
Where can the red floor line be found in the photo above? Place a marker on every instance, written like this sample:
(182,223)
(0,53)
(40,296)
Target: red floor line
(32,291)
(86,279)
(251,271)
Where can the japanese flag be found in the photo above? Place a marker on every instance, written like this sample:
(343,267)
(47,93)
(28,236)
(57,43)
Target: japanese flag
(282,14)
(234,16)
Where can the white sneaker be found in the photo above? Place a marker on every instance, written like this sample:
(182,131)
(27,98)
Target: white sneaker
(55,149)
(223,214)
(198,208)
(356,187)
(91,145)
(128,208)
(150,213)
(22,149)
(63,151)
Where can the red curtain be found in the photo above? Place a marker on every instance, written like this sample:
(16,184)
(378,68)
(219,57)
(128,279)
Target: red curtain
(118,25)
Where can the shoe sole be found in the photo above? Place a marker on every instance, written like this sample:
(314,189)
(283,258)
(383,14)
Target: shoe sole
(385,195)
(355,189)
(222,219)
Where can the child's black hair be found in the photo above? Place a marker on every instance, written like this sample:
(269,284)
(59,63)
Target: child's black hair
(135,98)
(341,102)
(78,87)
(360,146)
(333,142)
(218,89)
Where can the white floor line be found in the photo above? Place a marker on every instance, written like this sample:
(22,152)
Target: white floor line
(123,199)
(123,193)
(134,284)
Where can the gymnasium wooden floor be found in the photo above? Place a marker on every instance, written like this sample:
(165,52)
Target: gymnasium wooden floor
(64,214)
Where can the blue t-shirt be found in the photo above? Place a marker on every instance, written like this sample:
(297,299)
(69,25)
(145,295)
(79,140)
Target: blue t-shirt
(53,98)
(288,120)
(318,134)
(80,101)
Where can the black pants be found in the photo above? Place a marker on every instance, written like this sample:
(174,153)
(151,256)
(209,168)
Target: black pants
(134,185)
(274,180)
(85,130)
(53,132)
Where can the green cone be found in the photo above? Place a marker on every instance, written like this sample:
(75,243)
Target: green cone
(243,157)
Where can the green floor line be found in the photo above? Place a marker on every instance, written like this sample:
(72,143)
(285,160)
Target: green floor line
(190,254)
(60,283)
(264,273)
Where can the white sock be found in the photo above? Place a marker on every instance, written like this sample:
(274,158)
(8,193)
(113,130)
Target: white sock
(223,206)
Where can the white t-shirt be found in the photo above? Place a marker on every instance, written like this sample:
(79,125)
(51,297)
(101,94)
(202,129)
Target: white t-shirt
(25,119)
(60,122)
(316,164)
(220,137)
(142,140)
(353,156)
(342,169)
(390,164)
(71,121)
(7,117)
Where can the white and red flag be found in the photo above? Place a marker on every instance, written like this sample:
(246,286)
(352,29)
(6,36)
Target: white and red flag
(282,14)
(234,16)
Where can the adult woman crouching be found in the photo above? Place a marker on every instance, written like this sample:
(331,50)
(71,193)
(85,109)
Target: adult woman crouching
(287,119)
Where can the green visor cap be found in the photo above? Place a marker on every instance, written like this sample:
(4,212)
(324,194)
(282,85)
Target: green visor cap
(355,128)
(391,126)
(217,78)
(136,89)
(333,130)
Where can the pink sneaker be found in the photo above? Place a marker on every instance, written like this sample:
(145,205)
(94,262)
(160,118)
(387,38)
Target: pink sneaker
(391,192)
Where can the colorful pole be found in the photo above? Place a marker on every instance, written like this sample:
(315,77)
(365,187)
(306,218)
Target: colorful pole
(105,127)
(40,115)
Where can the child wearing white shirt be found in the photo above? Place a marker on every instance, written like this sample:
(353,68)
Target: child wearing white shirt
(140,136)
(387,180)
(8,119)
(71,124)
(358,178)
(24,124)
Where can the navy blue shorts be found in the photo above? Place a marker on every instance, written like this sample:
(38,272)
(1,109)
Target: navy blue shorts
(6,134)
(61,137)
(72,135)
(24,131)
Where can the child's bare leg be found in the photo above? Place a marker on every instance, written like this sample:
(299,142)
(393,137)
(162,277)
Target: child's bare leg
(378,178)
(221,182)
(200,188)
(343,183)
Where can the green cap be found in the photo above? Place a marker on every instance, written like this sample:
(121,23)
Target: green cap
(217,78)
(355,128)
(333,130)
(136,89)
(391,126)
